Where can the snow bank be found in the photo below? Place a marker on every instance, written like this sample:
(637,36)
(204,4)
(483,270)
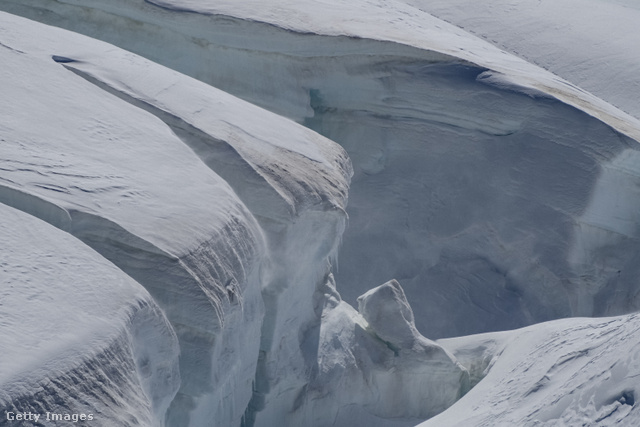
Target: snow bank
(590,43)
(565,372)
(78,335)
(117,178)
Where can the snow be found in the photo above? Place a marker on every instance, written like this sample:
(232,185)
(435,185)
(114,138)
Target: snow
(590,43)
(566,372)
(490,193)
(362,375)
(123,158)
(486,164)
(67,315)
(118,179)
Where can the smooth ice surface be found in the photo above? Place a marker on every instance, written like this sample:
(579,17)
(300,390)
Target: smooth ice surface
(566,372)
(78,335)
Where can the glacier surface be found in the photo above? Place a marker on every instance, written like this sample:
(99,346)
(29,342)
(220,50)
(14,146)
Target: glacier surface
(476,174)
(78,335)
(494,193)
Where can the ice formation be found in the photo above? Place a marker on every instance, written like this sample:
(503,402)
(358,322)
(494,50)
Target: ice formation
(567,372)
(473,169)
(78,335)
(494,193)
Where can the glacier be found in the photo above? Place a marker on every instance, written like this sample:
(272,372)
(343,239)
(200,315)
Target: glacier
(566,372)
(590,43)
(505,157)
(485,191)
(101,329)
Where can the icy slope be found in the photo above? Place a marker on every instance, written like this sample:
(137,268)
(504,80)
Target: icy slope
(78,335)
(498,194)
(119,159)
(121,181)
(567,372)
(591,43)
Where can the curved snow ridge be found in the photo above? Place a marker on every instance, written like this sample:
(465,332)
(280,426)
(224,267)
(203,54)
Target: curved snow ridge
(402,23)
(502,173)
(124,184)
(564,372)
(79,335)
(304,170)
(206,32)
(588,42)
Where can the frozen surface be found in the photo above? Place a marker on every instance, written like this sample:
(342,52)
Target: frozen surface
(566,372)
(478,176)
(373,367)
(496,193)
(591,43)
(117,178)
(69,317)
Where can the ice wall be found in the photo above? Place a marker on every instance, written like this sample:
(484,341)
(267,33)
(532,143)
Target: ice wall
(118,179)
(472,168)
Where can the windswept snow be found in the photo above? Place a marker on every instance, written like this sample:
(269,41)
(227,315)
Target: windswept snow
(591,43)
(488,192)
(78,335)
(568,372)
(474,171)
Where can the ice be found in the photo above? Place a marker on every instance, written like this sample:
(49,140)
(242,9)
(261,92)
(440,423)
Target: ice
(565,372)
(590,43)
(123,158)
(472,167)
(69,317)
(365,373)
(118,179)
(487,191)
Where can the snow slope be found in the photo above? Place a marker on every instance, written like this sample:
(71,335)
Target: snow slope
(567,372)
(229,215)
(123,158)
(119,180)
(591,43)
(78,335)
(480,180)
(497,194)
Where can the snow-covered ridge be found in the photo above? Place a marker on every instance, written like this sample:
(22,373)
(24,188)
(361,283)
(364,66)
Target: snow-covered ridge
(590,43)
(493,204)
(566,372)
(70,317)
(389,21)
(112,172)
(504,172)
(121,181)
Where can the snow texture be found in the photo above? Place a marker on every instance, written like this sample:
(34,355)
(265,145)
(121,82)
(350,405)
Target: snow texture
(78,335)
(567,372)
(477,176)
(590,43)
(494,193)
